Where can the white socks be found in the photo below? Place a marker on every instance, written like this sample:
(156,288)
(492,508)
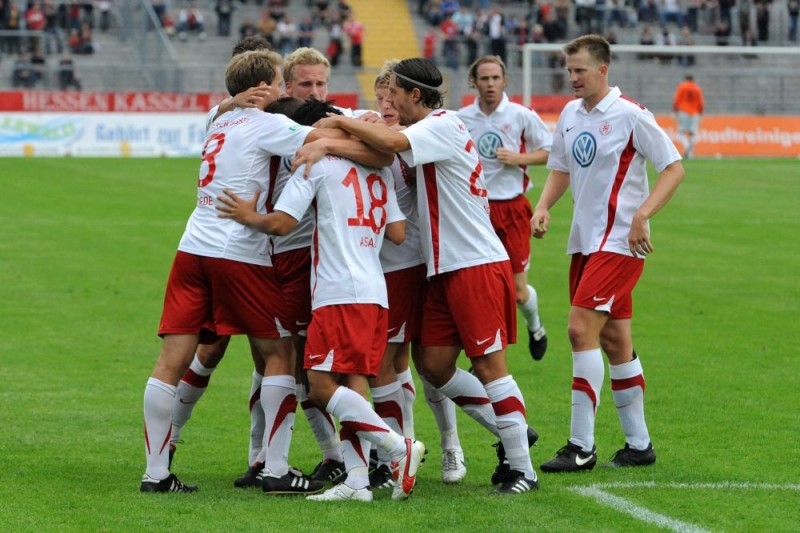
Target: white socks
(509,408)
(530,310)
(468,392)
(444,412)
(322,427)
(159,398)
(409,395)
(191,388)
(627,386)
(279,403)
(588,371)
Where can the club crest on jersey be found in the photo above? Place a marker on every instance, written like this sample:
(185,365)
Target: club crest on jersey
(584,149)
(488,145)
(605,128)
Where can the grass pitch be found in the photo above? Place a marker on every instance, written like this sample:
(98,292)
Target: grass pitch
(86,248)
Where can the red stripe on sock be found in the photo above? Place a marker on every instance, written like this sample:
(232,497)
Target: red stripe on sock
(508,405)
(146,440)
(256,397)
(347,434)
(628,383)
(355,427)
(461,401)
(409,386)
(390,410)
(580,384)
(288,405)
(195,380)
(166,441)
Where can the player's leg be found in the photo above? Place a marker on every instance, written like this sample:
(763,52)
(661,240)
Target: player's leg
(627,387)
(528,305)
(406,379)
(387,400)
(159,398)
(255,450)
(194,384)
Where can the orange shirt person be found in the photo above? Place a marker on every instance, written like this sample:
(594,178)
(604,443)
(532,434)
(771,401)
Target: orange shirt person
(688,104)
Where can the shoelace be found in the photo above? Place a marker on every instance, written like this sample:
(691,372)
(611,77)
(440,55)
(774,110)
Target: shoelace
(449,460)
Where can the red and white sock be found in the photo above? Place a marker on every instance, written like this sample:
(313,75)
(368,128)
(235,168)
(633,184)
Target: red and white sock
(322,427)
(355,450)
(468,392)
(159,399)
(444,412)
(509,408)
(356,415)
(255,452)
(627,386)
(409,395)
(280,403)
(388,403)
(191,388)
(530,310)
(588,372)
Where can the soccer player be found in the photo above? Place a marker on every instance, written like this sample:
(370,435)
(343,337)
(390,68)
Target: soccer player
(470,298)
(509,137)
(688,104)
(354,207)
(600,149)
(405,272)
(221,281)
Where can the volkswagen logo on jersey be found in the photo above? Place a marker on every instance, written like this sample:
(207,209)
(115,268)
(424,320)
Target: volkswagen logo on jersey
(584,149)
(488,145)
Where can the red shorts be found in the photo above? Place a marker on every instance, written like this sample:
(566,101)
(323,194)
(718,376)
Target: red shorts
(406,290)
(604,281)
(511,220)
(347,339)
(293,273)
(473,308)
(207,295)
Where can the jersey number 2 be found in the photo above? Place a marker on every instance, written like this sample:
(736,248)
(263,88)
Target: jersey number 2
(476,173)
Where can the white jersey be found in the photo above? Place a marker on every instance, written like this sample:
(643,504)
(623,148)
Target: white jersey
(453,204)
(300,236)
(409,253)
(605,153)
(352,206)
(236,156)
(510,126)
(210,116)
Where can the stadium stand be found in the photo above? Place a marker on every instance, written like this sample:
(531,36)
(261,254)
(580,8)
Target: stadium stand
(137,52)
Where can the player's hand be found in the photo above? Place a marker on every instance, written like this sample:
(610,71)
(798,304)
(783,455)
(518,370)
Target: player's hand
(232,206)
(252,97)
(309,154)
(639,237)
(540,222)
(506,156)
(331,121)
(371,117)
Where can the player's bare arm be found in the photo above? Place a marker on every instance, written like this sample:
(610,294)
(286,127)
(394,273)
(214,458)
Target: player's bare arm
(668,181)
(510,157)
(396,232)
(348,147)
(252,97)
(555,186)
(377,135)
(244,212)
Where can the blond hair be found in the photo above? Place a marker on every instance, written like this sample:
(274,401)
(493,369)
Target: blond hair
(473,68)
(385,73)
(249,69)
(304,56)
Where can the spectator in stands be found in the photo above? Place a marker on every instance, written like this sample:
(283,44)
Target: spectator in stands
(23,75)
(553,29)
(51,30)
(599,24)
(286,32)
(13,23)
(168,22)
(617,14)
(266,26)
(497,34)
(335,45)
(34,21)
(648,12)
(104,8)
(190,19)
(725,7)
(38,65)
(66,73)
(749,39)
(87,45)
(430,44)
(584,15)
(722,33)
(646,38)
(74,41)
(305,32)
(449,42)
(671,12)
(693,14)
(224,10)
(355,32)
(686,39)
(160,9)
(762,19)
(793,6)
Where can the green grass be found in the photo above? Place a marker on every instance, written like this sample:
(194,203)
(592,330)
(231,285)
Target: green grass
(84,257)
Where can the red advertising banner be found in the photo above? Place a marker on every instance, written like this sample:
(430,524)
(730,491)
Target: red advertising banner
(129,102)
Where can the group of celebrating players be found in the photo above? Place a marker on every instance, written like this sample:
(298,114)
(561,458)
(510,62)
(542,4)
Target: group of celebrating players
(339,241)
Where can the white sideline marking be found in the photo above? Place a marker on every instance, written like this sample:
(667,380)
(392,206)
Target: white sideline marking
(598,492)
